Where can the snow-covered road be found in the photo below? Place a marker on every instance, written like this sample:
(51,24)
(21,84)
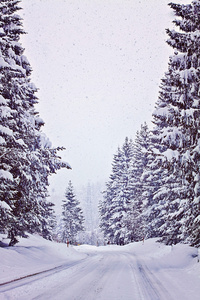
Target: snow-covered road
(40,269)
(104,275)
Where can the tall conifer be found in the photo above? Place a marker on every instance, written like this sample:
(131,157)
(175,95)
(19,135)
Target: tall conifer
(26,155)
(72,216)
(116,205)
(176,134)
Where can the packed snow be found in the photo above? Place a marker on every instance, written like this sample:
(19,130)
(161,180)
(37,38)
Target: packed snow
(39,269)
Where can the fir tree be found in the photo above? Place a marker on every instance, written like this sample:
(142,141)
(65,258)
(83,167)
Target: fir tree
(175,137)
(116,205)
(26,155)
(137,186)
(188,43)
(72,216)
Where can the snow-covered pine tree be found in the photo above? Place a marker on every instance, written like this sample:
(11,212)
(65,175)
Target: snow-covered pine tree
(112,188)
(26,155)
(188,43)
(176,134)
(151,179)
(169,139)
(72,216)
(137,186)
(116,204)
(47,219)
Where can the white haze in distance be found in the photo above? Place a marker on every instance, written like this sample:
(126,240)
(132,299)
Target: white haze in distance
(98,66)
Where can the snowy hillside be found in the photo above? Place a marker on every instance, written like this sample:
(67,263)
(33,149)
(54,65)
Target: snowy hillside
(135,271)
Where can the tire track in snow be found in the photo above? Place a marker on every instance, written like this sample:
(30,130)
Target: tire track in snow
(79,282)
(116,283)
(149,286)
(93,279)
(105,275)
(15,283)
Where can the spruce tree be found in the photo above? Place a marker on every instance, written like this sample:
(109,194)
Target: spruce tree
(116,205)
(188,44)
(137,185)
(26,155)
(72,216)
(175,136)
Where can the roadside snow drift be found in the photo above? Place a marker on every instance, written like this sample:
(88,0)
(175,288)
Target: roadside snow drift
(33,255)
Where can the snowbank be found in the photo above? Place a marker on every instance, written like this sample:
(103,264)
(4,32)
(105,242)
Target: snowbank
(33,255)
(161,256)
(156,255)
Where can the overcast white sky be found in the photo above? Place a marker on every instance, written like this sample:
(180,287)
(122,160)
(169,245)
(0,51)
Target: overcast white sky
(98,65)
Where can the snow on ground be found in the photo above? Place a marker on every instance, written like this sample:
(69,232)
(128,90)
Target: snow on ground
(138,271)
(180,263)
(33,255)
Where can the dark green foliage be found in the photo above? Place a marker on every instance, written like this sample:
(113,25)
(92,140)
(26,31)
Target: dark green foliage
(26,155)
(72,216)
(174,169)
(116,205)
